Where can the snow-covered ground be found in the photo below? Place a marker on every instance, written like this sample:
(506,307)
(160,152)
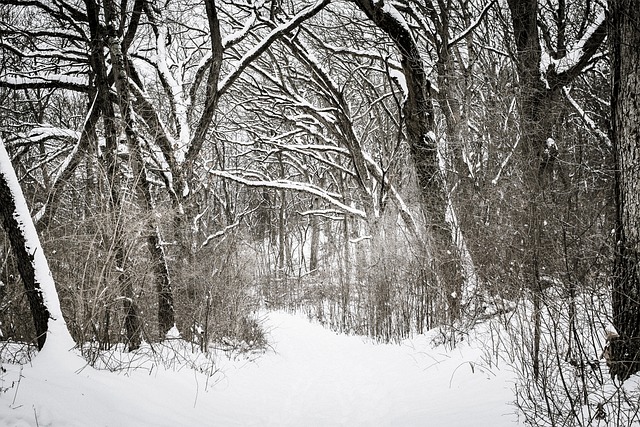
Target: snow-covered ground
(310,377)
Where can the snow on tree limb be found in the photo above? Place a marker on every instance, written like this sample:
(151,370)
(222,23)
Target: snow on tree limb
(293,186)
(74,56)
(70,164)
(219,233)
(456,39)
(560,72)
(267,41)
(173,85)
(585,117)
(235,37)
(50,81)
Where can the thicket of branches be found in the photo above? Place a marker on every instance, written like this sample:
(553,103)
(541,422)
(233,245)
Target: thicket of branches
(387,167)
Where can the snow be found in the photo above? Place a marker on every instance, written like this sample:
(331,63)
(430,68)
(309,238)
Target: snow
(398,77)
(395,15)
(310,376)
(175,86)
(235,37)
(46,132)
(586,118)
(472,26)
(256,50)
(50,131)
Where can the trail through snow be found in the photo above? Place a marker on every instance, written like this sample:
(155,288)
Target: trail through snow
(311,377)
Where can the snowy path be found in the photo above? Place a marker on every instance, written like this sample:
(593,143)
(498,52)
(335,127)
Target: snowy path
(319,378)
(313,377)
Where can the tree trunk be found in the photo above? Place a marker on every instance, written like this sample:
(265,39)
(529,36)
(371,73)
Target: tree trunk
(166,316)
(315,237)
(537,93)
(625,40)
(32,265)
(131,317)
(24,261)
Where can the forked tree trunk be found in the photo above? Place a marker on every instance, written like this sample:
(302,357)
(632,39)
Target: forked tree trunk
(166,312)
(535,96)
(132,321)
(625,40)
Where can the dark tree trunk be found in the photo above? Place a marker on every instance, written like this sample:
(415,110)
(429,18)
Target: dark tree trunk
(625,41)
(24,260)
(131,317)
(315,237)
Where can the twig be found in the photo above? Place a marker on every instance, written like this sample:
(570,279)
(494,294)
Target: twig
(17,386)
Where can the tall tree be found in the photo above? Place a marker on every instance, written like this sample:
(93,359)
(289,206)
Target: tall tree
(419,123)
(540,85)
(625,43)
(32,264)
(117,46)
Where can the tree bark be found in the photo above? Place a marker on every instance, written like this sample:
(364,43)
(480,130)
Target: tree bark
(315,237)
(166,316)
(625,41)
(132,323)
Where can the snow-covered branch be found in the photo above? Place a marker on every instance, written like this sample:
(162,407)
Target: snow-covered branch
(220,233)
(49,81)
(586,118)
(293,186)
(563,71)
(463,34)
(267,41)
(32,263)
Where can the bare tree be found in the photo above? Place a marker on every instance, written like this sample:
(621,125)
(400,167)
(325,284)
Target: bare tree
(541,81)
(419,122)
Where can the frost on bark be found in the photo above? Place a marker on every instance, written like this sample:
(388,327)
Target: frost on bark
(625,41)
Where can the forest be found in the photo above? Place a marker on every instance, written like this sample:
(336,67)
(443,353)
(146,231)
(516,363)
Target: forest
(385,167)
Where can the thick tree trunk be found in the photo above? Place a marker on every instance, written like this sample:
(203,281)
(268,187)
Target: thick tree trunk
(534,131)
(536,96)
(32,265)
(625,40)
(24,261)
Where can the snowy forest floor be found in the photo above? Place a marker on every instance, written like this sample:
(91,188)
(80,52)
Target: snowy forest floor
(309,376)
